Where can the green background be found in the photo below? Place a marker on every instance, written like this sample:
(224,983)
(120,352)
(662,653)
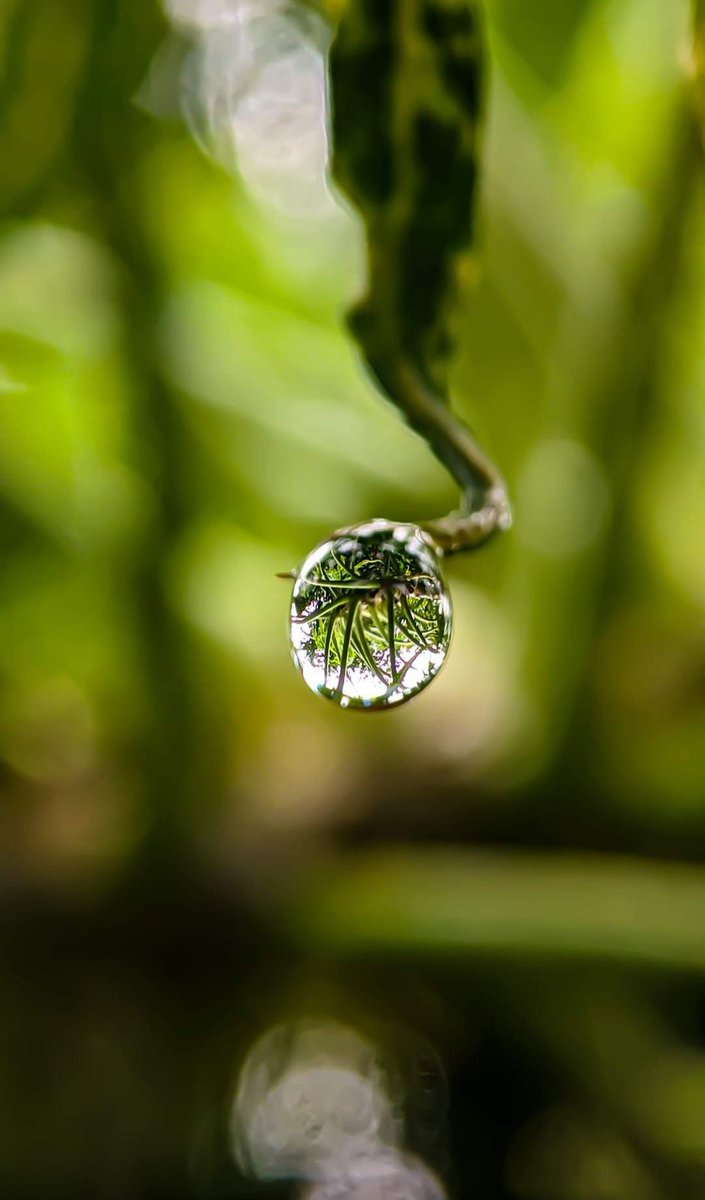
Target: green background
(191,844)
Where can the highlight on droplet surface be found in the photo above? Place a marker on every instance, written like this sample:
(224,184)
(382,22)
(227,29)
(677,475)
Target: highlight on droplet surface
(370,617)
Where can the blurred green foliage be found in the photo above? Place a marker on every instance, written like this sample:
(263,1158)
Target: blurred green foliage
(182,414)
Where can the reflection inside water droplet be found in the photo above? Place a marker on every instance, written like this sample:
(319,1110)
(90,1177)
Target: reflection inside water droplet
(370,615)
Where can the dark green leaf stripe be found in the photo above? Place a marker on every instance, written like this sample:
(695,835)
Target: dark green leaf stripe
(406,82)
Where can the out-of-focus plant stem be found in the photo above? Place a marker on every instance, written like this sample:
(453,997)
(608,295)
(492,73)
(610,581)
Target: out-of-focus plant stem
(570,909)
(33,136)
(699,57)
(112,141)
(624,414)
(614,1050)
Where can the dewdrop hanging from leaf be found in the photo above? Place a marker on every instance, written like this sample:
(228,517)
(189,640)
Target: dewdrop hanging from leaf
(370,614)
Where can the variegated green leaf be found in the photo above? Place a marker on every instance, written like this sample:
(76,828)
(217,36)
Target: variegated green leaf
(406,90)
(406,83)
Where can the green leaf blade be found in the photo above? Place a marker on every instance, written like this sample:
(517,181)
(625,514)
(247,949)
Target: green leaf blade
(407,86)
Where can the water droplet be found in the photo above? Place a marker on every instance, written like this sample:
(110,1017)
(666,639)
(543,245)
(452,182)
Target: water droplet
(370,615)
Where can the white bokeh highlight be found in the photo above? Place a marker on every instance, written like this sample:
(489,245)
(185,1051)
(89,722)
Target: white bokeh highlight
(314,1103)
(253,92)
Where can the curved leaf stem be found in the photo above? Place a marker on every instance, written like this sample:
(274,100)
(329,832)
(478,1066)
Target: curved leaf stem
(486,508)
